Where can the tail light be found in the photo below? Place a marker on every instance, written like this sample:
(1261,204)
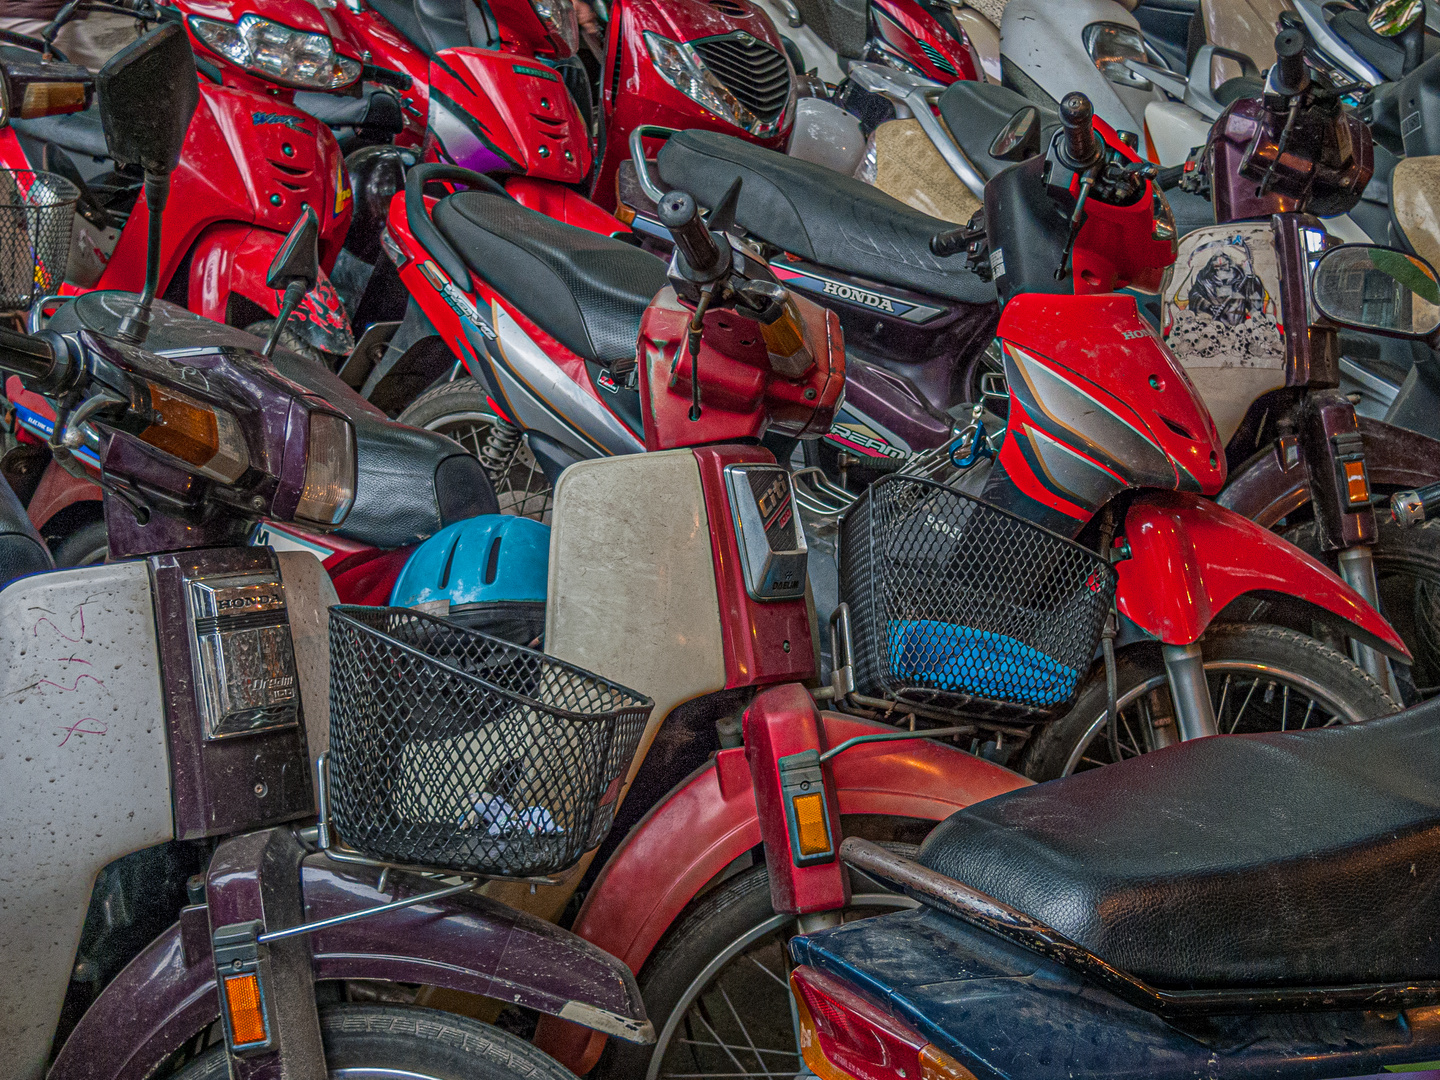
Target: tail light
(845,1036)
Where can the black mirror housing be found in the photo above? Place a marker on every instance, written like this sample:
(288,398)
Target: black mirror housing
(148,93)
(299,256)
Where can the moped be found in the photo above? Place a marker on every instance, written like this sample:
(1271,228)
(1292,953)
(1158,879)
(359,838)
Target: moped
(169,708)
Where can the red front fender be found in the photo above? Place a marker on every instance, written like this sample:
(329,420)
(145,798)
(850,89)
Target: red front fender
(710,819)
(1191,557)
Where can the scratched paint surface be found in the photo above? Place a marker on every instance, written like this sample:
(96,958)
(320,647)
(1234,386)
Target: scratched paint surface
(83,771)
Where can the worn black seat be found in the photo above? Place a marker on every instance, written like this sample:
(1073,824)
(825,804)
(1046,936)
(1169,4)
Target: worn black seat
(975,112)
(1303,858)
(821,215)
(432,25)
(585,290)
(22,551)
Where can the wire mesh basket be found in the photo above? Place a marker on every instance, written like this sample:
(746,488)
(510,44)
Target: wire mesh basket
(958,606)
(37,213)
(456,750)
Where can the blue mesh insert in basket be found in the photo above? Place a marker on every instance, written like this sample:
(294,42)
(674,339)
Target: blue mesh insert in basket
(961,658)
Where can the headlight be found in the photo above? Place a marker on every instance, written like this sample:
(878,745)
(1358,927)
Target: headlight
(278,53)
(329,471)
(682,68)
(560,20)
(1110,45)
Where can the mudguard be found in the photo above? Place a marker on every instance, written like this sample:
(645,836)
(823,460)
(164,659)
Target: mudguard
(710,820)
(1189,558)
(233,260)
(167,994)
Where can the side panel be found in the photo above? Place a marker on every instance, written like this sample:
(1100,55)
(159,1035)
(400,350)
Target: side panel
(710,820)
(1190,558)
(85,773)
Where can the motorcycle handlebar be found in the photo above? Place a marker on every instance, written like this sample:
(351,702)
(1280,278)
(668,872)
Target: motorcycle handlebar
(1410,508)
(1082,147)
(1290,76)
(681,216)
(27,356)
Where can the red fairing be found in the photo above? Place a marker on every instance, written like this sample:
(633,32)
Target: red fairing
(780,722)
(1092,376)
(741,396)
(710,820)
(1190,558)
(908,30)
(1117,247)
(369,577)
(564,204)
(493,110)
(633,92)
(765,642)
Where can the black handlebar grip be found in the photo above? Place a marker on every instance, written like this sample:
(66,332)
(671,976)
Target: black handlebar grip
(681,216)
(1082,148)
(950,243)
(1290,76)
(25,355)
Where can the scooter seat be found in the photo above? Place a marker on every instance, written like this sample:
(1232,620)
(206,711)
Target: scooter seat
(585,290)
(22,551)
(1306,858)
(432,25)
(821,215)
(975,112)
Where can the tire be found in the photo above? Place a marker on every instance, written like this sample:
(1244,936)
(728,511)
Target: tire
(1407,572)
(290,341)
(734,912)
(86,546)
(459,409)
(1250,656)
(382,1042)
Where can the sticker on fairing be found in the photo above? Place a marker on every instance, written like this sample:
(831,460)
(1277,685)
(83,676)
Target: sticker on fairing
(455,298)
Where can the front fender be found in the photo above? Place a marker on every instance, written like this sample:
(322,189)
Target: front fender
(470,943)
(1191,557)
(234,260)
(710,819)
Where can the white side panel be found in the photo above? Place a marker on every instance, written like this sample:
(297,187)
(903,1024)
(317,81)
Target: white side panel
(1175,129)
(309,596)
(84,773)
(632,580)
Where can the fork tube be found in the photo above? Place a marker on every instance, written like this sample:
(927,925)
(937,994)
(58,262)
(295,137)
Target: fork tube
(1194,711)
(1357,567)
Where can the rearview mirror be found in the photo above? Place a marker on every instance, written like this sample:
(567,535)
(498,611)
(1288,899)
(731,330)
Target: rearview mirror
(1019,139)
(30,89)
(148,93)
(1379,289)
(299,256)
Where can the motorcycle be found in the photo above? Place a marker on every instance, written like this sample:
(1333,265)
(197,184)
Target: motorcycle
(1010,922)
(251,163)
(187,686)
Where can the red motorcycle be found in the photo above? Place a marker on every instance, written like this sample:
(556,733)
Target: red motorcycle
(251,162)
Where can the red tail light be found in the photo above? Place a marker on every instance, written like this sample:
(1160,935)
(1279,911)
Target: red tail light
(844,1036)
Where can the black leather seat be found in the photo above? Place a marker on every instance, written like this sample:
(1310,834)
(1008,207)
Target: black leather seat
(432,25)
(1385,54)
(1304,858)
(976,111)
(586,290)
(22,551)
(821,215)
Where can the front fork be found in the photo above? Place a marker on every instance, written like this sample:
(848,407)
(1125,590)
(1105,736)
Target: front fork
(1357,567)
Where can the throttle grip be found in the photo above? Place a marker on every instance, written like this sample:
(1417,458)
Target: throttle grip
(1290,76)
(681,216)
(1081,147)
(1410,508)
(26,355)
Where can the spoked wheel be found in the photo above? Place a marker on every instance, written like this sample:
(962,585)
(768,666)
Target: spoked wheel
(460,411)
(717,988)
(1262,678)
(390,1042)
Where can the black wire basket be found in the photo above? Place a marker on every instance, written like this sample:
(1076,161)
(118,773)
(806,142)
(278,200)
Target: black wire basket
(460,751)
(958,606)
(37,214)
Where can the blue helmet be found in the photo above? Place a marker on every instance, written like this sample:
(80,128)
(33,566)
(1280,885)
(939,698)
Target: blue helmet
(488,572)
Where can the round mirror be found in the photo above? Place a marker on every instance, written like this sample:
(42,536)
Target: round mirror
(1019,138)
(1376,288)
(1390,18)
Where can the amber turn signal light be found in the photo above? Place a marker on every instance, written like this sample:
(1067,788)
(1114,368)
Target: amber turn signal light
(245,1009)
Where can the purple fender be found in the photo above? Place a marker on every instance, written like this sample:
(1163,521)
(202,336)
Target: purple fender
(471,943)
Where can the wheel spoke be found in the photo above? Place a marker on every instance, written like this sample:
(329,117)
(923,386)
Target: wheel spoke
(1244,705)
(744,1031)
(767,971)
(1224,693)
